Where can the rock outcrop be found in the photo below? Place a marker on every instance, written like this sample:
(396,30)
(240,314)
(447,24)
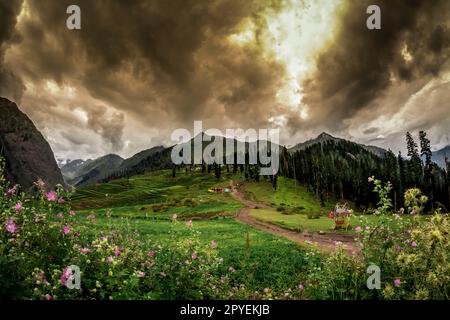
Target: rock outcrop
(28,155)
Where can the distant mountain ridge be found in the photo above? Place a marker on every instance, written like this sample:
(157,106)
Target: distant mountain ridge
(438,156)
(323,137)
(159,157)
(138,157)
(81,173)
(28,155)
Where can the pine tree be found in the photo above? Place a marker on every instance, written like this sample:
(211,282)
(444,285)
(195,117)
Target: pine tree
(414,164)
(402,179)
(173,171)
(425,151)
(217,170)
(447,165)
(275,182)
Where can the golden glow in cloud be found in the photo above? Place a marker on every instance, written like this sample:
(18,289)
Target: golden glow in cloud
(295,35)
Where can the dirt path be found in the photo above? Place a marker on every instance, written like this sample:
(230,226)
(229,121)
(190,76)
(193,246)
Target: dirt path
(325,242)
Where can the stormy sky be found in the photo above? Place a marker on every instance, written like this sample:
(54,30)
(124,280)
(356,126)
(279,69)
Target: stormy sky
(137,70)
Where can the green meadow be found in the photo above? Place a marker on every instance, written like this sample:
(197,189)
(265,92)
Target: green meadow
(147,204)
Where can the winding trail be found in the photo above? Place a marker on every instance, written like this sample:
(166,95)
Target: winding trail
(324,242)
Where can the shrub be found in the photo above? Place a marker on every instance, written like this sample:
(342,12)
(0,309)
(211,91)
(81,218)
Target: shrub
(413,255)
(385,202)
(415,200)
(338,276)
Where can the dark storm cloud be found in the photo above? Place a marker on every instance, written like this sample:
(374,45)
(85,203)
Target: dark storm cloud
(156,65)
(10,84)
(361,64)
(170,58)
(110,128)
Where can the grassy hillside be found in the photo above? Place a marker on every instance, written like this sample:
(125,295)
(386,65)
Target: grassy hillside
(290,195)
(156,194)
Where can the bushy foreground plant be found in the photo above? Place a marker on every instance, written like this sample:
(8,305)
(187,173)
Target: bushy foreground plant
(412,252)
(39,239)
(413,257)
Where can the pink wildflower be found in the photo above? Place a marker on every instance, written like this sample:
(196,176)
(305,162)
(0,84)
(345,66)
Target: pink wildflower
(213,245)
(40,184)
(140,274)
(331,214)
(18,206)
(118,251)
(413,244)
(194,256)
(370,179)
(358,229)
(397,282)
(66,229)
(72,213)
(151,253)
(61,200)
(11,191)
(51,196)
(39,217)
(10,226)
(110,259)
(85,250)
(48,297)
(66,274)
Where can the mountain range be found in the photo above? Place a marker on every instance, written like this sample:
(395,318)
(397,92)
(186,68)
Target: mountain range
(29,156)
(328,137)
(440,155)
(81,173)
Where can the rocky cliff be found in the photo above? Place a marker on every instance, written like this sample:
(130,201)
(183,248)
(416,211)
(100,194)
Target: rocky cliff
(28,155)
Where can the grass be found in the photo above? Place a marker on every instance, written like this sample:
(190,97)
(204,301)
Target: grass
(301,222)
(288,195)
(147,202)
(296,222)
(158,195)
(260,259)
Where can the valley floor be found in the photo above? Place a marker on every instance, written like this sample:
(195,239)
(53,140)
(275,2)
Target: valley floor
(325,242)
